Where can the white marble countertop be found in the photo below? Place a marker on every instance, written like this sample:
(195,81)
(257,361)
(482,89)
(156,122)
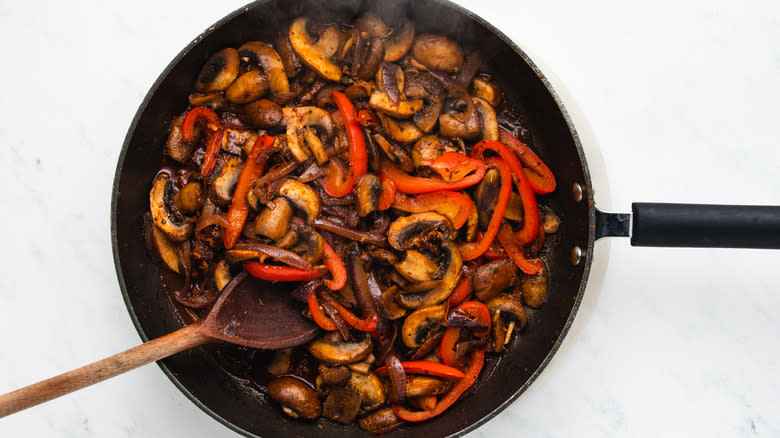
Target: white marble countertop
(675,101)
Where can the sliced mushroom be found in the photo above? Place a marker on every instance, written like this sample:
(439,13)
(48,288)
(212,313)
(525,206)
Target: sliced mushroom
(370,389)
(486,195)
(364,366)
(298,399)
(382,421)
(297,120)
(463,125)
(250,86)
(514,208)
(417,386)
(486,89)
(274,221)
(215,100)
(426,150)
(426,87)
(263,54)
(372,57)
(262,113)
(161,246)
(280,363)
(507,314)
(219,71)
(160,198)
(390,308)
(437,52)
(451,263)
(493,278)
(222,275)
(234,140)
(372,24)
(367,190)
(302,196)
(335,375)
(309,243)
(314,143)
(487,119)
(399,41)
(472,224)
(226,181)
(550,221)
(406,229)
(534,287)
(420,324)
(330,40)
(306,48)
(396,153)
(417,267)
(341,405)
(332,350)
(177,148)
(189,198)
(380,100)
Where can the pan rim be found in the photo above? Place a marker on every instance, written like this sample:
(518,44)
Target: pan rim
(588,198)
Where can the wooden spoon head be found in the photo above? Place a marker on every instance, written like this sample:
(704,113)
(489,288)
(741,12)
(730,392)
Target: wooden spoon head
(257,314)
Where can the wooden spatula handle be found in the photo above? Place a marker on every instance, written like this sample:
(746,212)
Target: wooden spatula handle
(95,372)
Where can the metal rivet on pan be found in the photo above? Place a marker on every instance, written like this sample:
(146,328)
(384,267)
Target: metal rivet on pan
(576,255)
(576,190)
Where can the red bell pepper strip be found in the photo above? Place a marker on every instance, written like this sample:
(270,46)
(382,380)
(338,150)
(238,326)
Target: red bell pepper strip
(495,251)
(358,155)
(239,210)
(387,195)
(427,367)
(281,273)
(470,376)
(472,250)
(336,267)
(527,234)
(539,175)
(320,318)
(412,185)
(514,252)
(364,325)
(454,205)
(453,166)
(461,292)
(214,139)
(446,349)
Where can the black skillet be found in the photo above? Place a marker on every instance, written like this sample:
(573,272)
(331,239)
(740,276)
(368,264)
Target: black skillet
(568,254)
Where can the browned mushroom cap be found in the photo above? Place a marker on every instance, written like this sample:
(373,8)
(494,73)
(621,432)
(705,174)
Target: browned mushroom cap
(486,89)
(425,385)
(306,48)
(176,147)
(399,41)
(487,119)
(404,131)
(298,399)
(372,56)
(426,150)
(382,421)
(420,324)
(222,275)
(335,375)
(330,40)
(417,267)
(437,52)
(514,208)
(372,24)
(219,71)
(550,221)
(464,125)
(332,350)
(493,278)
(297,120)
(406,229)
(189,199)
(389,307)
(263,54)
(161,246)
(160,198)
(250,86)
(534,287)
(274,221)
(292,65)
(302,196)
(262,113)
(486,195)
(215,100)
(367,190)
(226,180)
(341,405)
(370,389)
(508,313)
(309,243)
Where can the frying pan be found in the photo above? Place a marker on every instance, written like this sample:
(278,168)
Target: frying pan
(569,254)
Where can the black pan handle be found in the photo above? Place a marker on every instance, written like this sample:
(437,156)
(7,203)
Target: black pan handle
(695,225)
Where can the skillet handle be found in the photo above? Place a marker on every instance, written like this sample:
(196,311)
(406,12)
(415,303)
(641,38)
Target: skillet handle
(705,226)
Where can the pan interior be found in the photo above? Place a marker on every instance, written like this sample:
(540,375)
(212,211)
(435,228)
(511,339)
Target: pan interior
(536,108)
